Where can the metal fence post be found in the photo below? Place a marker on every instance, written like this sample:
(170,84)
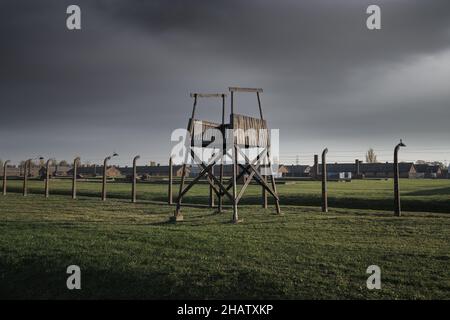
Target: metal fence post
(47,178)
(5,165)
(74,177)
(170,193)
(397,209)
(133,187)
(324,181)
(105,164)
(25,178)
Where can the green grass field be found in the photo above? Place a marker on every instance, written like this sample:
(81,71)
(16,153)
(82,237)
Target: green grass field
(417,195)
(130,251)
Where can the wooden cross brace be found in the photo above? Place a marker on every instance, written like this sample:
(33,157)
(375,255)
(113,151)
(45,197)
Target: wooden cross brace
(206,170)
(251,168)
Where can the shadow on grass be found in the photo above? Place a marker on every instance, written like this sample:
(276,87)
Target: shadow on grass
(438,206)
(430,192)
(45,278)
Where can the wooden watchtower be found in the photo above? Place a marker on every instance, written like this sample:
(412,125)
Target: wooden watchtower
(234,145)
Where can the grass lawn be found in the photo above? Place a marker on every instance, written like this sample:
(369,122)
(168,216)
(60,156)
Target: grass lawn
(129,250)
(423,195)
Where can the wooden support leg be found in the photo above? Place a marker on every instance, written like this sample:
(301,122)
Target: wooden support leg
(264,195)
(211,191)
(274,186)
(220,198)
(277,201)
(170,197)
(235,208)
(178,216)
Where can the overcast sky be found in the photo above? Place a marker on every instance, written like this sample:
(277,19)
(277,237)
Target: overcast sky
(122,83)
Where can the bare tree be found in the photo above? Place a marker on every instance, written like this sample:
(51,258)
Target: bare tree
(371,157)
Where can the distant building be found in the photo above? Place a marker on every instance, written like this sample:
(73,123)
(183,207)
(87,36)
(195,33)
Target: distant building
(12,171)
(299,171)
(445,173)
(428,171)
(228,171)
(155,171)
(372,170)
(17,171)
(55,171)
(386,170)
(94,171)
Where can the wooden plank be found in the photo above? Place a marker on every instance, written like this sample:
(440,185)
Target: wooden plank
(249,131)
(208,95)
(240,89)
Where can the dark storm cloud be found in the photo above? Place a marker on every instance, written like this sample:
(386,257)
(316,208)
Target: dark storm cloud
(122,82)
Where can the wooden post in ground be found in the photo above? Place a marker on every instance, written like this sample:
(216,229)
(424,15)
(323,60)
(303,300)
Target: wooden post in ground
(235,218)
(220,197)
(47,178)
(223,151)
(357,168)
(264,195)
(324,181)
(211,191)
(133,186)
(170,192)
(74,177)
(264,202)
(5,166)
(25,178)
(178,216)
(397,206)
(105,163)
(316,166)
(26,172)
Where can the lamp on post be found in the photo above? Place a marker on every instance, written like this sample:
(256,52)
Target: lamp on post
(397,207)
(5,166)
(26,171)
(105,163)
